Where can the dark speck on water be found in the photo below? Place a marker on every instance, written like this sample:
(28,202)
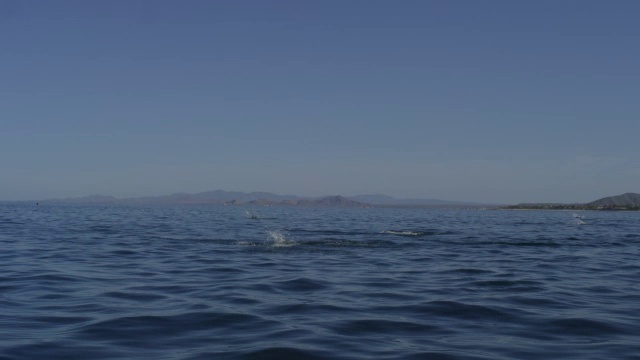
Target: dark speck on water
(216,282)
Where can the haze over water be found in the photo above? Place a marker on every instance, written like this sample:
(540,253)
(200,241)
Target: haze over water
(198,282)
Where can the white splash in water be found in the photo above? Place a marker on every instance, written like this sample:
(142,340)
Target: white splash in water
(278,240)
(578,219)
(251,215)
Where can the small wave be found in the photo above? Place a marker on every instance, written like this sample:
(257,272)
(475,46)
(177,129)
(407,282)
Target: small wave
(134,296)
(144,330)
(403,233)
(460,310)
(60,320)
(330,232)
(286,353)
(306,308)
(515,243)
(53,350)
(10,222)
(103,229)
(278,239)
(384,326)
(468,271)
(349,243)
(584,327)
(301,284)
(50,279)
(509,285)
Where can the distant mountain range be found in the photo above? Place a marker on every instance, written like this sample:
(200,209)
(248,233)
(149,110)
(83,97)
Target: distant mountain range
(627,201)
(220,197)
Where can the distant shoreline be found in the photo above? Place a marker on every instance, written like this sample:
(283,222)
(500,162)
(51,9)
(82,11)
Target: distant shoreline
(240,205)
(234,198)
(512,208)
(624,202)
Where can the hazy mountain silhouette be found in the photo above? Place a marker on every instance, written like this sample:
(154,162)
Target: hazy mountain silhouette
(219,197)
(628,199)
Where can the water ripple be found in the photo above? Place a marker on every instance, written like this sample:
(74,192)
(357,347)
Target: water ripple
(214,282)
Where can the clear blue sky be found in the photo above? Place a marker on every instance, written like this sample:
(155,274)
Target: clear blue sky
(496,101)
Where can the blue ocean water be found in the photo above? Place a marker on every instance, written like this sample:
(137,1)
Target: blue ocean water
(215,282)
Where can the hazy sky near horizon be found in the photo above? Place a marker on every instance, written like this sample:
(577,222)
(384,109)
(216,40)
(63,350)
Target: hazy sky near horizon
(488,101)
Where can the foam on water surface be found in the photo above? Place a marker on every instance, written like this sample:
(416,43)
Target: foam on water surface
(277,239)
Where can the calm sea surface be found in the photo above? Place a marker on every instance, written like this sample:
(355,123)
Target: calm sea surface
(85,282)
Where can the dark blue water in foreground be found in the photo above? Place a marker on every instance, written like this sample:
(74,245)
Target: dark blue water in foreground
(304,283)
